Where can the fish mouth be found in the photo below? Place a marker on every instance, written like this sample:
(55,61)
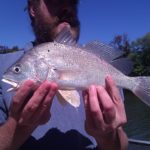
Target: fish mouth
(14,84)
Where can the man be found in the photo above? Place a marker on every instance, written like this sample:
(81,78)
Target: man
(63,127)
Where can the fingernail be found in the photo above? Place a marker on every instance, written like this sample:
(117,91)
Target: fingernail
(29,83)
(21,120)
(85,102)
(109,77)
(92,87)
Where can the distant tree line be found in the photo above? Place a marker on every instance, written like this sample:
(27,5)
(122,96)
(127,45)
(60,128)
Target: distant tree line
(138,51)
(5,49)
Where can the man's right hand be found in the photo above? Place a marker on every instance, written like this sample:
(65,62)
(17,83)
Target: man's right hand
(31,103)
(30,108)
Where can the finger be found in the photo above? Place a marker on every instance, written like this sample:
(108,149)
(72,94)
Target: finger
(86,104)
(49,97)
(35,101)
(21,95)
(115,95)
(45,116)
(85,98)
(113,90)
(89,121)
(94,106)
(107,105)
(43,112)
(44,109)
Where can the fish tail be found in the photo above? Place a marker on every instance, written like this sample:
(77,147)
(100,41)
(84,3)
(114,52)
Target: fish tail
(141,88)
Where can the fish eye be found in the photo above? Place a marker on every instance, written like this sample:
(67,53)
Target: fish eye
(17,69)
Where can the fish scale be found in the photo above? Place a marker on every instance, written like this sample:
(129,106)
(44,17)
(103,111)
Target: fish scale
(75,67)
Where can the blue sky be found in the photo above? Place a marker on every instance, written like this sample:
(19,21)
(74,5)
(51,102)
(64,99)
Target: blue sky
(100,20)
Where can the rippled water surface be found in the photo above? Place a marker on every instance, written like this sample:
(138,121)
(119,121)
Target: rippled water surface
(138,125)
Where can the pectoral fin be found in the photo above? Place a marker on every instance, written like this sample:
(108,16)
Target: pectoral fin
(72,97)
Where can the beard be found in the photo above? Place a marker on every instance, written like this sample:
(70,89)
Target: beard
(46,32)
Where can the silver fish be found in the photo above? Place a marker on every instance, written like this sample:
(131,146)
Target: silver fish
(75,67)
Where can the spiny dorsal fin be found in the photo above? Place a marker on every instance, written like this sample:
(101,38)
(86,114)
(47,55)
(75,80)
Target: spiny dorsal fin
(123,64)
(102,50)
(111,55)
(72,97)
(65,37)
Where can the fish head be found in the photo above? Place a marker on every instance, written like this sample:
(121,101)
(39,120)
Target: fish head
(24,69)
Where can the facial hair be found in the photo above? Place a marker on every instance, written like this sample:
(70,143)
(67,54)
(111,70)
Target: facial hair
(44,31)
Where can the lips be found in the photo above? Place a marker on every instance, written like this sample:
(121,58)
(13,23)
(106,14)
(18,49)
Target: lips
(12,83)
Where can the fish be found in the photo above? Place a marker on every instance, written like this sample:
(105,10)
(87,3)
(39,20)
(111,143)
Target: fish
(75,67)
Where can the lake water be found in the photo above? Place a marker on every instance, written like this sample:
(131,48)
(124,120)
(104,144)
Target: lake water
(138,125)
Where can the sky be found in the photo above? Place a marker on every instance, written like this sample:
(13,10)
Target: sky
(100,20)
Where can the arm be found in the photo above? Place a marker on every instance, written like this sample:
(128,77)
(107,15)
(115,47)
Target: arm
(105,115)
(30,108)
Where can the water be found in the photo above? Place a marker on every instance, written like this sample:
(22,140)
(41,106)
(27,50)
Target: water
(138,125)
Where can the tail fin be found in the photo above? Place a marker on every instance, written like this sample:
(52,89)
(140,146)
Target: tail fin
(142,89)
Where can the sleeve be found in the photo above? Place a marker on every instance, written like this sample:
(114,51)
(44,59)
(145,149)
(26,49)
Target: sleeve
(5,98)
(3,109)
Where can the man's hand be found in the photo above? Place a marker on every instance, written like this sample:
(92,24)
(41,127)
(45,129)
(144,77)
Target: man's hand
(31,104)
(30,108)
(105,114)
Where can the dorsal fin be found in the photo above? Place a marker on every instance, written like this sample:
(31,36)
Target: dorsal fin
(65,37)
(111,55)
(102,50)
(125,65)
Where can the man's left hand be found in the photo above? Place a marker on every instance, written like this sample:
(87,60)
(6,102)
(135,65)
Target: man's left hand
(105,114)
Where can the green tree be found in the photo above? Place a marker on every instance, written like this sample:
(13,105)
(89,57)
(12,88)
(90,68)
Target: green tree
(141,55)
(121,42)
(138,51)
(5,49)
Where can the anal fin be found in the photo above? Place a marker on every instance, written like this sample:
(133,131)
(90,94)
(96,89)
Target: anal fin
(72,97)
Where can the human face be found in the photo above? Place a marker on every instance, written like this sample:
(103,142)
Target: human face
(48,22)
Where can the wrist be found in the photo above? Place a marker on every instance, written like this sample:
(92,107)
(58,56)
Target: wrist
(7,131)
(116,140)
(13,135)
(108,141)
(22,133)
